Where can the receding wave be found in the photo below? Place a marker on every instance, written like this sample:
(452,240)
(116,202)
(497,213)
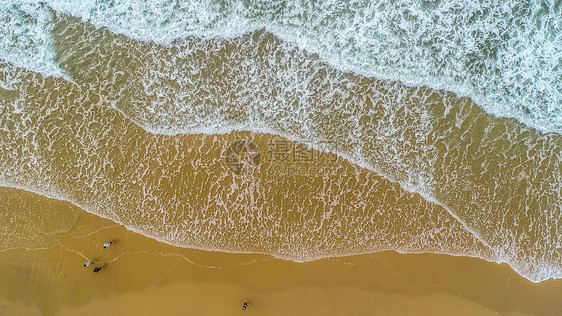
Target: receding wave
(490,187)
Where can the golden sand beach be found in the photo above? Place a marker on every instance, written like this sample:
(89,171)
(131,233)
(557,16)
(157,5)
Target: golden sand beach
(142,276)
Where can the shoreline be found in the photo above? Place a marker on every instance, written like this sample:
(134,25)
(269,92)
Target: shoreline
(143,275)
(142,279)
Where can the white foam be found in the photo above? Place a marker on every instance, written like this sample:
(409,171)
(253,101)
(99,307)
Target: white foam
(25,36)
(503,54)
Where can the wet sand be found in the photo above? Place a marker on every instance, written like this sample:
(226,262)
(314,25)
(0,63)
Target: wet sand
(143,276)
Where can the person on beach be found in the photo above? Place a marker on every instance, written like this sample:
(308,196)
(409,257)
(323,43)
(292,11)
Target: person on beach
(97,269)
(88,263)
(107,244)
(245,306)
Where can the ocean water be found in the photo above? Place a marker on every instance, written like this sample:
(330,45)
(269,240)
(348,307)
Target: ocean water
(124,110)
(505,55)
(26,37)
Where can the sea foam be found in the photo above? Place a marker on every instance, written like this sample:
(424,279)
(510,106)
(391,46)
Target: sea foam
(25,36)
(505,55)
